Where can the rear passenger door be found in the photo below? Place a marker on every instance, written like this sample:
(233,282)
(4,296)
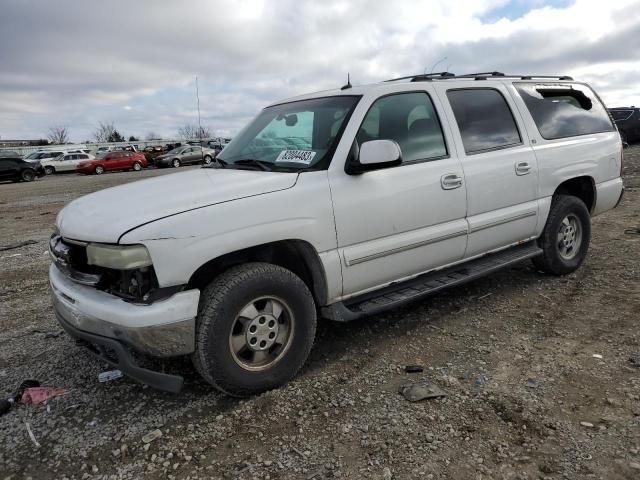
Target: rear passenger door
(499,166)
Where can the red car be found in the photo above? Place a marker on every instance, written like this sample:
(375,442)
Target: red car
(120,160)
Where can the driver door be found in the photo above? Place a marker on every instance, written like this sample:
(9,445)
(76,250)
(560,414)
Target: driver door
(398,222)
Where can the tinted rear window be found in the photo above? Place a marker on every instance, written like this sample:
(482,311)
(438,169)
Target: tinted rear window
(621,115)
(484,119)
(561,111)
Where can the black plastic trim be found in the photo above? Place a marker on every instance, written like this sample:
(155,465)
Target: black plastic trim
(125,361)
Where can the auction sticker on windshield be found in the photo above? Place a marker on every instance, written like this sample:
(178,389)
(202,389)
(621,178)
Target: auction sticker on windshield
(296,156)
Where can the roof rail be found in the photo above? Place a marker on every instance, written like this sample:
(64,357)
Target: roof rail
(476,76)
(423,77)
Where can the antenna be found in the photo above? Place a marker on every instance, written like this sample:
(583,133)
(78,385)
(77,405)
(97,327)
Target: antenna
(348,85)
(199,124)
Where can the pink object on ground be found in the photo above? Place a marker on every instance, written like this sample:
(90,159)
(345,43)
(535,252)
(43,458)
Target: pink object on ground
(37,395)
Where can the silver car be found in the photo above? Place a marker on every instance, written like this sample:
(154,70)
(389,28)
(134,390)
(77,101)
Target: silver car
(186,155)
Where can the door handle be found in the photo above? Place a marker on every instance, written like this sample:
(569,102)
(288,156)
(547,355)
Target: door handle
(450,181)
(522,168)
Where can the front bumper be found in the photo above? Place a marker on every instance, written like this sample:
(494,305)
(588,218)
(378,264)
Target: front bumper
(165,328)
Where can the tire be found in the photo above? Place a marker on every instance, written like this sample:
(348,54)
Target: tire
(99,170)
(136,166)
(28,175)
(220,327)
(49,170)
(175,163)
(207,159)
(566,236)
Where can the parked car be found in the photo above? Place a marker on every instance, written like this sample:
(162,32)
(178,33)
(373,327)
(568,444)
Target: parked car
(111,161)
(18,170)
(185,156)
(627,120)
(65,163)
(341,204)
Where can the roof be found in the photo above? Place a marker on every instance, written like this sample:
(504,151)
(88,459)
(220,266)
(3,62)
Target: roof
(388,85)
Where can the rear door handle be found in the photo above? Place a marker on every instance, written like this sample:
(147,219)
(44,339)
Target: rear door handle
(523,168)
(450,181)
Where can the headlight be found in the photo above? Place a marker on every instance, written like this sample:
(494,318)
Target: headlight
(118,257)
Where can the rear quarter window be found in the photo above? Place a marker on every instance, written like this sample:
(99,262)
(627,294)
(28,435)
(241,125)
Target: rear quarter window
(561,111)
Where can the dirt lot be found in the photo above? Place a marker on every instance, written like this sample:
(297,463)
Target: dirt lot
(514,352)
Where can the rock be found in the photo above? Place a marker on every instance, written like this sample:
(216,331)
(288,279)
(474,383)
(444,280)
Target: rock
(414,392)
(634,465)
(151,436)
(386,473)
(586,424)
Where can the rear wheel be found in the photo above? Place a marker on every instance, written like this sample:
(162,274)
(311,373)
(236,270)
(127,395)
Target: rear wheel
(28,175)
(99,170)
(175,163)
(136,166)
(207,160)
(256,325)
(566,236)
(49,170)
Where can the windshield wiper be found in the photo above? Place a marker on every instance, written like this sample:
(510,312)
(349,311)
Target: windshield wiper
(266,166)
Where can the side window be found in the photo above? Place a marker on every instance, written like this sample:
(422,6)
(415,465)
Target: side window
(484,119)
(561,111)
(411,120)
(82,156)
(621,115)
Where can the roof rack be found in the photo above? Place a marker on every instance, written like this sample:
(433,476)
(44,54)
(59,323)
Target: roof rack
(424,77)
(475,76)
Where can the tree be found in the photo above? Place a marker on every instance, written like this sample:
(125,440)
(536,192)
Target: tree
(58,134)
(152,136)
(190,131)
(104,132)
(116,137)
(133,139)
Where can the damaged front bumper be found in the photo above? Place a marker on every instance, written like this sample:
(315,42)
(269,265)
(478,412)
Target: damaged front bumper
(165,328)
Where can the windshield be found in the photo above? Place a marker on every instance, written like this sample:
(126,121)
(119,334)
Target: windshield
(32,156)
(297,135)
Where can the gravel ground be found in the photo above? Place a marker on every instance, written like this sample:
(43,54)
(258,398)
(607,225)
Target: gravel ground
(526,398)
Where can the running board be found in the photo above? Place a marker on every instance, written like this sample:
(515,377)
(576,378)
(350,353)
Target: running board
(403,292)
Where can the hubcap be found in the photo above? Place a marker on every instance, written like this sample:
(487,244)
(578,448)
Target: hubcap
(176,163)
(569,237)
(261,333)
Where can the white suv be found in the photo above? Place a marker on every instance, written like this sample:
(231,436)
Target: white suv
(336,204)
(67,162)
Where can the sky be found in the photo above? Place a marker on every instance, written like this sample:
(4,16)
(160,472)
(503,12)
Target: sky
(134,63)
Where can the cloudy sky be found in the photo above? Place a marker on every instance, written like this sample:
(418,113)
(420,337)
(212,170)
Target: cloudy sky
(134,63)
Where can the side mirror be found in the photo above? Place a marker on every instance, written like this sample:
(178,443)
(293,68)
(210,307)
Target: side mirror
(374,155)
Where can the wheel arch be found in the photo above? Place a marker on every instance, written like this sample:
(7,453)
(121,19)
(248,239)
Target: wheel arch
(298,256)
(583,187)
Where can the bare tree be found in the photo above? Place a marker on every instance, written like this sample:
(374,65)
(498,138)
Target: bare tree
(191,131)
(104,132)
(58,134)
(152,136)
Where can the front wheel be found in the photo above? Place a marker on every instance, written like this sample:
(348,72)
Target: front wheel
(136,166)
(175,163)
(207,160)
(27,176)
(49,170)
(255,328)
(566,236)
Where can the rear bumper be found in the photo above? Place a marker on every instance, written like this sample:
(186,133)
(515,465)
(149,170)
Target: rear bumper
(165,328)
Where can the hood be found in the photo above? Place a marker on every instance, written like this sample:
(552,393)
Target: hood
(106,215)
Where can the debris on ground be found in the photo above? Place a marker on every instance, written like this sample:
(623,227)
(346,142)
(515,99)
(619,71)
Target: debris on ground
(587,424)
(38,395)
(151,436)
(634,360)
(31,435)
(109,376)
(413,369)
(597,355)
(414,392)
(13,246)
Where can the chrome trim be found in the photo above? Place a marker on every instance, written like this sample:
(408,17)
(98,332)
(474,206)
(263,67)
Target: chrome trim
(75,242)
(404,248)
(520,216)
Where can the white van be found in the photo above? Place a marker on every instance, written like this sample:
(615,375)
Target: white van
(337,204)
